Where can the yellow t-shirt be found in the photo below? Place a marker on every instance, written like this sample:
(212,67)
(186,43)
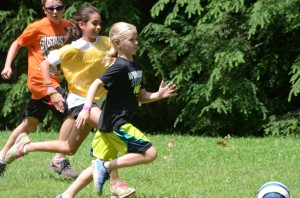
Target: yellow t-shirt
(82,67)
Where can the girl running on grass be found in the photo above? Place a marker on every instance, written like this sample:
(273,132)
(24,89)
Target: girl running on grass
(81,62)
(40,37)
(124,83)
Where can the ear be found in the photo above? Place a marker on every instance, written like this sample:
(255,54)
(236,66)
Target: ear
(116,43)
(81,25)
(44,10)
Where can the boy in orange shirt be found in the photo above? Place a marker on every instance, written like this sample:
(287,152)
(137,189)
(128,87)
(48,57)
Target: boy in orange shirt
(40,37)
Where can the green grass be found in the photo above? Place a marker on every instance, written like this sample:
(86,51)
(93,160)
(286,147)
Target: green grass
(195,168)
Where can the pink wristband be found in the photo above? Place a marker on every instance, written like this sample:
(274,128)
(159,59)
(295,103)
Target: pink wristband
(50,89)
(86,108)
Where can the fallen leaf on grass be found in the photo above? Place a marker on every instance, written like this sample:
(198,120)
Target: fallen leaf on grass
(171,143)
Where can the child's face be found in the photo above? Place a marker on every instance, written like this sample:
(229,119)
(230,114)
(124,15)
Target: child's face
(91,29)
(129,45)
(54,10)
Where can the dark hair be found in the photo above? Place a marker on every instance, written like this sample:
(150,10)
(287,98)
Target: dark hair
(83,14)
(44,1)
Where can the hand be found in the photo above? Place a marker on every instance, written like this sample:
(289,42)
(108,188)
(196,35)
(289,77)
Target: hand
(57,100)
(6,73)
(167,91)
(82,118)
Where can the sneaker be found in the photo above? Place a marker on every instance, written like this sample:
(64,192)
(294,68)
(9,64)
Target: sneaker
(16,150)
(58,196)
(100,175)
(120,190)
(2,169)
(64,169)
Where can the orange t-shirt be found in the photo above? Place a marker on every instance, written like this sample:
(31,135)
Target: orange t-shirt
(41,37)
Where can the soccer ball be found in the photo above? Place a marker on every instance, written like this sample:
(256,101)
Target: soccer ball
(273,189)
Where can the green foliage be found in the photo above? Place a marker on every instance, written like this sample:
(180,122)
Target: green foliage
(221,56)
(16,15)
(236,63)
(295,79)
(285,125)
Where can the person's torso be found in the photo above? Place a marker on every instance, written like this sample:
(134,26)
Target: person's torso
(82,63)
(123,80)
(40,37)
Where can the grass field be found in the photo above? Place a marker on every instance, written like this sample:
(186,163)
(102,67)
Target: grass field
(196,167)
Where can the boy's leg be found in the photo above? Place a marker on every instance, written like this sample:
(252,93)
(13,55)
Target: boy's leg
(28,125)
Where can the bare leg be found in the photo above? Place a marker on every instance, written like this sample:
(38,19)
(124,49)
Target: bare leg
(65,132)
(76,137)
(132,159)
(82,181)
(28,125)
(68,147)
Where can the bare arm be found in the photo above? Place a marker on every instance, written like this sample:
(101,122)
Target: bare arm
(12,52)
(56,98)
(163,92)
(45,69)
(85,112)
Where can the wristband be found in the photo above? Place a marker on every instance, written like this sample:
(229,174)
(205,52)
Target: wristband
(49,93)
(86,108)
(51,89)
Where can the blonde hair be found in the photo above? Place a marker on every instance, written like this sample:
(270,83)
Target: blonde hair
(117,32)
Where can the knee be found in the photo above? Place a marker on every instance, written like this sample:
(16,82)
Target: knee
(151,154)
(69,149)
(32,128)
(30,124)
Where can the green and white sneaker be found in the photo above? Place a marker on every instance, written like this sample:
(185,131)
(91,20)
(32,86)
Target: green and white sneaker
(16,150)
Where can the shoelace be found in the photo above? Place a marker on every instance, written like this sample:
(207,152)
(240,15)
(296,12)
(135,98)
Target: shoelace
(66,165)
(121,185)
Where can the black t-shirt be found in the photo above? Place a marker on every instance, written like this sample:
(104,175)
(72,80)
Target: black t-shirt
(123,80)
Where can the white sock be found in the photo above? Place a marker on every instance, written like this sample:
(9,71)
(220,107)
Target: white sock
(57,160)
(2,160)
(25,147)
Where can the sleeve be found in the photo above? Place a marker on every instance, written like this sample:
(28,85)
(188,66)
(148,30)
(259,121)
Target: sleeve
(53,57)
(112,73)
(28,35)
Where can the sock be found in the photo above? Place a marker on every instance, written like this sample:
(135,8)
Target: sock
(25,147)
(2,161)
(57,160)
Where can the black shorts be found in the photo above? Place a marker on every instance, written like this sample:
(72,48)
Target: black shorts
(39,108)
(76,110)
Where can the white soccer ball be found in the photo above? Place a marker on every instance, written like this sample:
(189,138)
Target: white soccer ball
(273,189)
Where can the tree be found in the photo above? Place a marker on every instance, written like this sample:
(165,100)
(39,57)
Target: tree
(16,15)
(236,63)
(232,61)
